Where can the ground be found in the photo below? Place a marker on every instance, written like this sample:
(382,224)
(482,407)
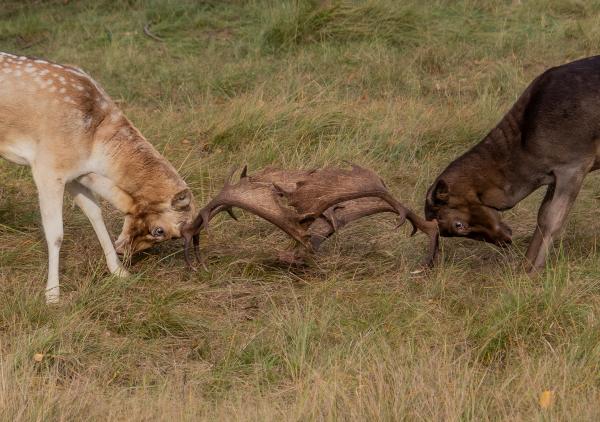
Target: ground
(402,87)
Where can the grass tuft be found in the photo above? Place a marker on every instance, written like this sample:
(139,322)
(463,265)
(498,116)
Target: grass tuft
(400,87)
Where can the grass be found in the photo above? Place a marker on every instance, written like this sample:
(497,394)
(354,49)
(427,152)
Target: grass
(401,87)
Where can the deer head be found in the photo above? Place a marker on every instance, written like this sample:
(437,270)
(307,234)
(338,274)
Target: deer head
(151,224)
(308,205)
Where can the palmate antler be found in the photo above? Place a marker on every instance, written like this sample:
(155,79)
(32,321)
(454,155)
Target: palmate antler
(342,214)
(308,205)
(261,198)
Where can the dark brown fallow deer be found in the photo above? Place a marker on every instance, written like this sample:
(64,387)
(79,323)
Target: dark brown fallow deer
(550,137)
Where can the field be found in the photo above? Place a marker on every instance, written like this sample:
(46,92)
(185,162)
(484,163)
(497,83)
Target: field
(402,87)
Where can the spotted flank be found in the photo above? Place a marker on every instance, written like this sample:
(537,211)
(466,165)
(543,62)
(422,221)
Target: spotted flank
(59,83)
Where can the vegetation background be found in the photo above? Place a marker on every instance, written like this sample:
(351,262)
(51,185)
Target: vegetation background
(400,86)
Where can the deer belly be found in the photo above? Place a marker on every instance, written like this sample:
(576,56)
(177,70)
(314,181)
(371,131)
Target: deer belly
(18,152)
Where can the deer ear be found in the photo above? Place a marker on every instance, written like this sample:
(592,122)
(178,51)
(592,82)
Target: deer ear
(182,200)
(440,194)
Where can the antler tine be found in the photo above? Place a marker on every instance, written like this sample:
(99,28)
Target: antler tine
(191,235)
(207,214)
(214,206)
(196,242)
(244,172)
(431,229)
(259,197)
(199,258)
(187,239)
(231,213)
(340,215)
(191,232)
(323,189)
(329,215)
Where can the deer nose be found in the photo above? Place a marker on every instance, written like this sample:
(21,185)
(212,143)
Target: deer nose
(505,233)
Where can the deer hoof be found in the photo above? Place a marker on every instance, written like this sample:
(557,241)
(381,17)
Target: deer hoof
(52,296)
(121,272)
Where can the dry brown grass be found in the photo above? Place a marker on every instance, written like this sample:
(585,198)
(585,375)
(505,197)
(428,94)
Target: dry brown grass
(401,87)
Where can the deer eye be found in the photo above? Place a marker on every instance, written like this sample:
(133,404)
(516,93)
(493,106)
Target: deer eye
(158,232)
(460,226)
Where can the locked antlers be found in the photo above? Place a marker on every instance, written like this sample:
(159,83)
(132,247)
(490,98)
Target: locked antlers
(308,205)
(258,197)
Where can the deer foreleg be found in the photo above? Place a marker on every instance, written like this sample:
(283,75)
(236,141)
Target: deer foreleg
(50,192)
(85,200)
(107,190)
(552,215)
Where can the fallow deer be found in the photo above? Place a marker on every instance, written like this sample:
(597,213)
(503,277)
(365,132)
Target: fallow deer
(550,137)
(308,205)
(60,122)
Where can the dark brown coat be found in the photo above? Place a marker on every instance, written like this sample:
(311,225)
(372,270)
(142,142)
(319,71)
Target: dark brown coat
(550,137)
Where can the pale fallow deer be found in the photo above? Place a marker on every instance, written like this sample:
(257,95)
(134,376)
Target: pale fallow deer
(60,122)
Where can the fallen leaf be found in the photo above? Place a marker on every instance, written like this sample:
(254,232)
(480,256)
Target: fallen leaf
(546,399)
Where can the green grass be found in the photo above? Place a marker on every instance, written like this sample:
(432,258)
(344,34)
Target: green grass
(400,86)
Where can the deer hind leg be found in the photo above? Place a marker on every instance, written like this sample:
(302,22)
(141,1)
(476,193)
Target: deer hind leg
(86,201)
(51,192)
(552,215)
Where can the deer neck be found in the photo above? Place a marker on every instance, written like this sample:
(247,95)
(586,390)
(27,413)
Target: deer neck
(497,171)
(134,166)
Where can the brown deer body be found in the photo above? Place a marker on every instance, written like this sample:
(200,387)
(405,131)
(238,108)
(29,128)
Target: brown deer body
(57,120)
(551,136)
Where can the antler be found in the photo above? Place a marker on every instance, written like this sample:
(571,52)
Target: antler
(258,197)
(321,190)
(340,215)
(319,202)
